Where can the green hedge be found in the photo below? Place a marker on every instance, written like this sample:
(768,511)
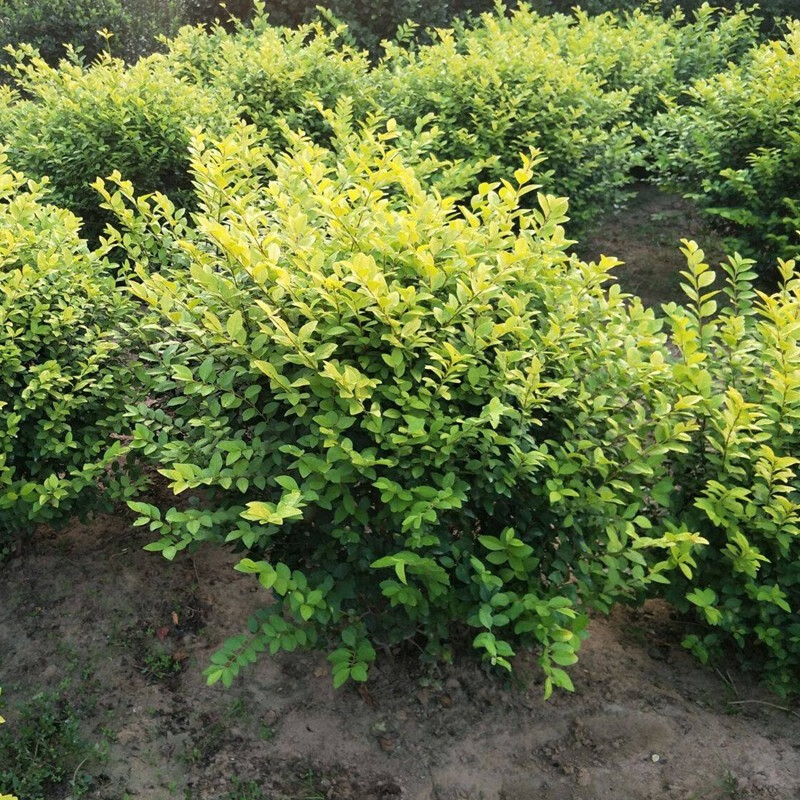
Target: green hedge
(412,420)
(372,22)
(64,372)
(279,75)
(569,87)
(735,148)
(73,124)
(369,355)
(737,484)
(462,81)
(770,10)
(653,58)
(49,25)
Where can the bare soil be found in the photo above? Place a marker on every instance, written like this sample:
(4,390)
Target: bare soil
(87,608)
(646,235)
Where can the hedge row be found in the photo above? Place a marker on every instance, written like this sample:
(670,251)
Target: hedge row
(368,354)
(64,371)
(410,417)
(734,148)
(136,24)
(567,86)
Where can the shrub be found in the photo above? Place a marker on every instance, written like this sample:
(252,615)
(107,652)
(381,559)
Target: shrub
(280,76)
(737,485)
(735,149)
(412,420)
(49,25)
(63,373)
(547,102)
(772,11)
(371,23)
(651,57)
(74,123)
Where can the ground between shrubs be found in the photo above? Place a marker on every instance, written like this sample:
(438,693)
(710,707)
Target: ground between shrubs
(127,634)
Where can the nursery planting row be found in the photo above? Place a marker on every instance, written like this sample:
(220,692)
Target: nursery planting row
(333,305)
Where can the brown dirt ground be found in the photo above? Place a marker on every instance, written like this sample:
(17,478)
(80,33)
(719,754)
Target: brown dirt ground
(88,605)
(646,236)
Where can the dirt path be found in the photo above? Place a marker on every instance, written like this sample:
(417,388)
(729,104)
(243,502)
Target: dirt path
(646,236)
(94,611)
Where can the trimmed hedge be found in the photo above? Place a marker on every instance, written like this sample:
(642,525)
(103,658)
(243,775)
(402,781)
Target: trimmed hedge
(64,372)
(735,148)
(73,124)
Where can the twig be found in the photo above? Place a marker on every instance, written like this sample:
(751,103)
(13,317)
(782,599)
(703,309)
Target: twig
(764,703)
(735,690)
(75,774)
(727,680)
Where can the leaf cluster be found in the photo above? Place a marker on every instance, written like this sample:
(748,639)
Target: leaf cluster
(734,148)
(64,372)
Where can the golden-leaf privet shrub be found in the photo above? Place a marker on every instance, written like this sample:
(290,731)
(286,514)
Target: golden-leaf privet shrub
(735,148)
(738,484)
(75,123)
(502,87)
(413,419)
(652,57)
(278,74)
(371,23)
(63,372)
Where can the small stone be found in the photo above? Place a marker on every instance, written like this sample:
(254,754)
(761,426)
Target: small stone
(270,718)
(655,758)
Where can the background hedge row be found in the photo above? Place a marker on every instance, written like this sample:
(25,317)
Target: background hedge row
(49,24)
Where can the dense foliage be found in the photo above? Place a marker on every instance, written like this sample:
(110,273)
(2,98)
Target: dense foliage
(364,351)
(63,374)
(73,124)
(735,148)
(379,20)
(653,58)
(568,86)
(772,12)
(280,76)
(738,483)
(49,25)
(414,420)
(548,103)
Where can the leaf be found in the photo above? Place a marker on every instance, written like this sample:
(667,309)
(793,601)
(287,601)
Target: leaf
(340,678)
(235,327)
(702,597)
